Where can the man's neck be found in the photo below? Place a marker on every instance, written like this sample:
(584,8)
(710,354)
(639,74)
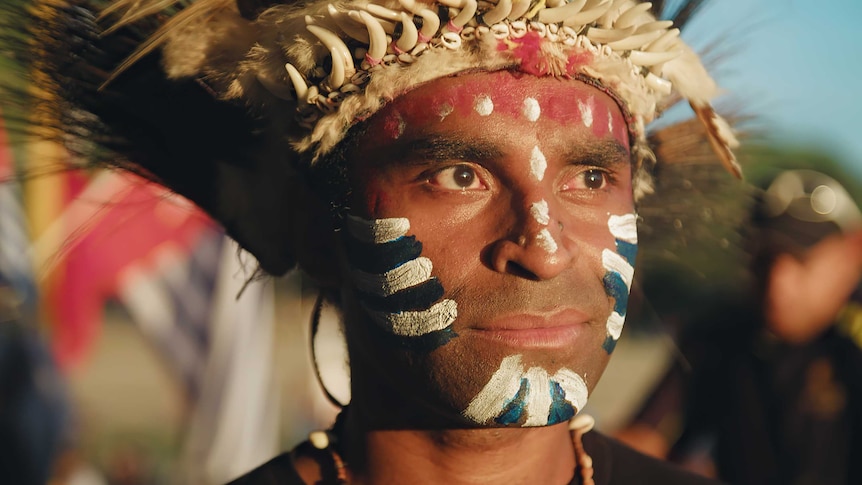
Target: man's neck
(460,456)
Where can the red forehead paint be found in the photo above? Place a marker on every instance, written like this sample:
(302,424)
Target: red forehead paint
(459,96)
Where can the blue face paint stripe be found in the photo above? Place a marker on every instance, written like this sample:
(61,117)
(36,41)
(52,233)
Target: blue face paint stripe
(609,345)
(380,258)
(627,250)
(561,410)
(419,297)
(514,409)
(617,289)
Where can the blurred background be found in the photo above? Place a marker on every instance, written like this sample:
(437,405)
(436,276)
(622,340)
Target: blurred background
(133,360)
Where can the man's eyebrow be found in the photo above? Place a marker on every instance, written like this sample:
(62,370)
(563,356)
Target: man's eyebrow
(604,153)
(437,148)
(440,148)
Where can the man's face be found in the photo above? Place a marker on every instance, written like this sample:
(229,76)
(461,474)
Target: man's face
(490,247)
(804,296)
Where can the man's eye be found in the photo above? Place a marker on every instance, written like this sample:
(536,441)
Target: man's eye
(592,179)
(459,177)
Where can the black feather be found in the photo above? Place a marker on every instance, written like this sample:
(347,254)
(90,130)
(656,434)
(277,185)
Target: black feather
(171,131)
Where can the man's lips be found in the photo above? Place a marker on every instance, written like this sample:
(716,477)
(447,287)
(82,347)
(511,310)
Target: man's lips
(535,330)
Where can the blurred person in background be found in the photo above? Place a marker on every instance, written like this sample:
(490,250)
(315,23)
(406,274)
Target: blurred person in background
(483,278)
(35,417)
(34,408)
(773,394)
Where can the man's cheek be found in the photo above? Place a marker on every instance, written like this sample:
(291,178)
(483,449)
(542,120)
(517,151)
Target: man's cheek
(395,285)
(375,200)
(619,272)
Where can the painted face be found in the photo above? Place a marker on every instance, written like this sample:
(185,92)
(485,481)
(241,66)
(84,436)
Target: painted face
(490,249)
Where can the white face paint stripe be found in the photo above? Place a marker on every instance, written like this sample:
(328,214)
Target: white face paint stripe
(504,385)
(539,400)
(532,110)
(540,212)
(418,323)
(546,241)
(413,323)
(538,163)
(624,227)
(377,231)
(586,110)
(574,386)
(617,264)
(615,325)
(408,274)
(483,105)
(501,388)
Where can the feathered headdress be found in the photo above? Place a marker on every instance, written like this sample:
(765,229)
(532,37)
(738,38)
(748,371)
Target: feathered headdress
(230,102)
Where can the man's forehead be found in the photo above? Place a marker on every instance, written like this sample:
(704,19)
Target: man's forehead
(483,97)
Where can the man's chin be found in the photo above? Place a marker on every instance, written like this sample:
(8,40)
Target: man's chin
(498,386)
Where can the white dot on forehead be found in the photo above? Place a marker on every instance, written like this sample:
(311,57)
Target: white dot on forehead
(586,110)
(538,163)
(532,110)
(445,110)
(610,122)
(394,126)
(483,105)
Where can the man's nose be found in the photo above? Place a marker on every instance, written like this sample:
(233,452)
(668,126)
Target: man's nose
(534,246)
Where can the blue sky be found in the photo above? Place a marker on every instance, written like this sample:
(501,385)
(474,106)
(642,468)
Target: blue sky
(795,64)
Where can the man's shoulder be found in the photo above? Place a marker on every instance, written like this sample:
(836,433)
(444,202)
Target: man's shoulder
(616,464)
(278,471)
